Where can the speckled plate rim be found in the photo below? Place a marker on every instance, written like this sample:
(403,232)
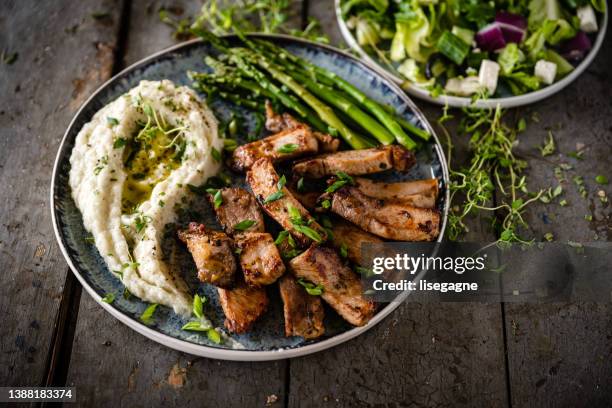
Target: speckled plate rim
(460,102)
(232,354)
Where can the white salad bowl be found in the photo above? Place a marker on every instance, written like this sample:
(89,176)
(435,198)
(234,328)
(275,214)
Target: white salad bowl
(460,101)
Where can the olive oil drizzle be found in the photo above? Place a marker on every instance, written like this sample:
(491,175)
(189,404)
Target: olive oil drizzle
(156,149)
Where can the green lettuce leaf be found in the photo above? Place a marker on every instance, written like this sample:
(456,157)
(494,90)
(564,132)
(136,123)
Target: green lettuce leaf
(563,67)
(521,82)
(509,57)
(412,31)
(542,10)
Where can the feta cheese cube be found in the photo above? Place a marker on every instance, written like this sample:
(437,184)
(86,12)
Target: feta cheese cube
(588,20)
(488,75)
(462,87)
(546,71)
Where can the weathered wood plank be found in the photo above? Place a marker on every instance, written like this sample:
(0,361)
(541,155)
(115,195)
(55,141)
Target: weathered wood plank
(423,354)
(560,354)
(63,54)
(113,365)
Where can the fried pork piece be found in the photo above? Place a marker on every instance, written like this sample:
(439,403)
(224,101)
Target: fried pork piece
(389,220)
(276,123)
(263,180)
(351,237)
(285,145)
(356,162)
(342,288)
(212,254)
(303,312)
(308,198)
(238,205)
(259,258)
(242,306)
(327,143)
(419,193)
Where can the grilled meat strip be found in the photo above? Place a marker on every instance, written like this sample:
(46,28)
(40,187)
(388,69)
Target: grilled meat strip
(386,219)
(263,180)
(308,198)
(419,193)
(212,253)
(356,162)
(351,237)
(242,306)
(276,123)
(299,140)
(341,287)
(259,258)
(303,312)
(238,205)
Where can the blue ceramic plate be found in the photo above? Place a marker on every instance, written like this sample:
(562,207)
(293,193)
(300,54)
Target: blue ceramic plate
(266,341)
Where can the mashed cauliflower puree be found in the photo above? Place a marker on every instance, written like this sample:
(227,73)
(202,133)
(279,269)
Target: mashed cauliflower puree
(130,168)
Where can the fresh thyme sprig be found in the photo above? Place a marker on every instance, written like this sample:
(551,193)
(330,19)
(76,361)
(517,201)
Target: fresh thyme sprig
(223,16)
(492,165)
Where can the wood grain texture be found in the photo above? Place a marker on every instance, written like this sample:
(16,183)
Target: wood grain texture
(40,92)
(113,363)
(421,355)
(559,354)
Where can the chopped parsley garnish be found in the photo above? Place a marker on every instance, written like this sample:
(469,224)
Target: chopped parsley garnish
(343,179)
(287,148)
(278,194)
(311,288)
(343,251)
(198,306)
(195,326)
(109,298)
(601,179)
(549,145)
(126,293)
(9,58)
(300,184)
(576,155)
(244,225)
(229,145)
(274,196)
(365,272)
(161,203)
(285,236)
(100,164)
(141,221)
(112,121)
(214,336)
(300,226)
(217,199)
(326,204)
(119,142)
(215,154)
(147,316)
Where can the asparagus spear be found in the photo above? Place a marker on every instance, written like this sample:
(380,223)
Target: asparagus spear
(363,119)
(325,112)
(323,74)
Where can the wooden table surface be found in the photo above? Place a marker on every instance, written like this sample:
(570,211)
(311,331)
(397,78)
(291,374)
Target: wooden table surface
(557,355)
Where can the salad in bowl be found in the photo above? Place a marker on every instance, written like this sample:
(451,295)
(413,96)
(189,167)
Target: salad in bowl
(511,52)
